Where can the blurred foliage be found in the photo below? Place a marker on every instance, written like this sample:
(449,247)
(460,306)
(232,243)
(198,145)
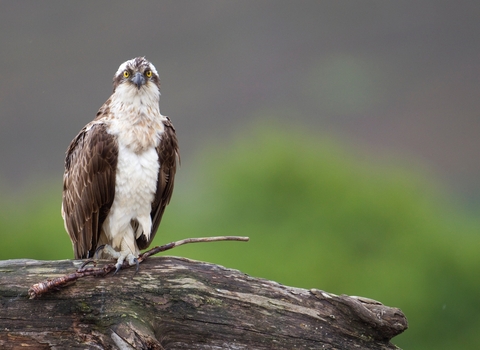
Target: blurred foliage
(318,216)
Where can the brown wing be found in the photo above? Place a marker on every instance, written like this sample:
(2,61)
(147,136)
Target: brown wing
(88,186)
(168,156)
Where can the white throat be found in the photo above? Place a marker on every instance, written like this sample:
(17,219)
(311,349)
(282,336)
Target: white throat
(137,121)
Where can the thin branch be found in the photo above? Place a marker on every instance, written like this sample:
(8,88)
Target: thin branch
(48,285)
(171,245)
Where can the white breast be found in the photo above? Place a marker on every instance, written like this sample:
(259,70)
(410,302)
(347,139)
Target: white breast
(135,187)
(136,179)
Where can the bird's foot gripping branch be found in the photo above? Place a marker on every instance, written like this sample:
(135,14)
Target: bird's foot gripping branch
(53,284)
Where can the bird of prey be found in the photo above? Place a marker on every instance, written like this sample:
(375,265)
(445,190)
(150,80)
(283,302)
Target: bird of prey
(120,169)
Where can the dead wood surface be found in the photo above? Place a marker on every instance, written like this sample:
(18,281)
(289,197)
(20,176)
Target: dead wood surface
(176,303)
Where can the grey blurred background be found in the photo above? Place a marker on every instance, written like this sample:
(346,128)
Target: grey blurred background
(390,77)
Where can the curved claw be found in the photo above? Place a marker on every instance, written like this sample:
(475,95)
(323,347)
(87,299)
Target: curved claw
(89,261)
(99,248)
(137,263)
(118,267)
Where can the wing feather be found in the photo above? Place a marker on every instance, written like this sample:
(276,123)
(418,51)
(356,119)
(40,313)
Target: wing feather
(168,156)
(88,186)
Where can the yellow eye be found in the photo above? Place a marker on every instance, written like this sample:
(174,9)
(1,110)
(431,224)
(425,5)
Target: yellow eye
(126,74)
(148,73)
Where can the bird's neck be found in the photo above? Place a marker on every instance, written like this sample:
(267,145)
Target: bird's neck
(130,101)
(137,121)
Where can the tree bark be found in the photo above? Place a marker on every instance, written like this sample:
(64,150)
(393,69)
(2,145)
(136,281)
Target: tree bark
(176,303)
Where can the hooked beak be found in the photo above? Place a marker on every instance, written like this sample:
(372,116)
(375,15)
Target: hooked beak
(138,80)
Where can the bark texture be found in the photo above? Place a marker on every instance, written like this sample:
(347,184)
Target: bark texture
(175,303)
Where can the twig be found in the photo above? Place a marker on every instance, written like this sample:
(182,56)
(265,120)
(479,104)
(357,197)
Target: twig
(171,245)
(46,286)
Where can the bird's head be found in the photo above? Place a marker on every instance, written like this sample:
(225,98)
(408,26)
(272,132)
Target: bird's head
(137,74)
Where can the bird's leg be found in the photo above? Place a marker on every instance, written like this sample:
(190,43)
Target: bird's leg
(129,250)
(120,256)
(109,251)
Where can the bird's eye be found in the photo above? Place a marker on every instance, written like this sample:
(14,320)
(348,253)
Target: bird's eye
(126,74)
(148,73)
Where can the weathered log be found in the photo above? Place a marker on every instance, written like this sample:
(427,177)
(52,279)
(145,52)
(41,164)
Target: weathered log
(175,303)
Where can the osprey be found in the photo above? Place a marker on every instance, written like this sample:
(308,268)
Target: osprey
(120,169)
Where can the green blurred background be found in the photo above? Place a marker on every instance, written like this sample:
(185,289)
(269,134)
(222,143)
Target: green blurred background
(317,217)
(341,137)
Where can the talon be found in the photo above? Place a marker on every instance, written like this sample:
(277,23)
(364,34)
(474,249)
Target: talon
(137,267)
(89,261)
(118,267)
(99,248)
